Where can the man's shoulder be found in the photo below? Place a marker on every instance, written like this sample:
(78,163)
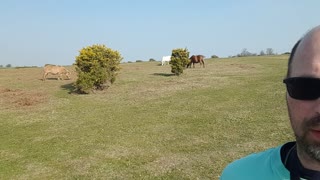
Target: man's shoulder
(254,165)
(253,159)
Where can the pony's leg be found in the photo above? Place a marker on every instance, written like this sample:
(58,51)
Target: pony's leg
(44,76)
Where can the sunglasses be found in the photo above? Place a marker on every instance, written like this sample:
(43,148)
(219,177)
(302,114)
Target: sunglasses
(303,88)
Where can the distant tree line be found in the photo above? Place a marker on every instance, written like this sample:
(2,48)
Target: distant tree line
(7,66)
(245,52)
(17,67)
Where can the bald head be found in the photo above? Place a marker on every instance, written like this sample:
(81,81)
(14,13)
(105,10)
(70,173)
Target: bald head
(305,55)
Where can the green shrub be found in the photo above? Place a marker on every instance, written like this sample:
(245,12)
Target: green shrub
(151,60)
(179,60)
(139,61)
(97,67)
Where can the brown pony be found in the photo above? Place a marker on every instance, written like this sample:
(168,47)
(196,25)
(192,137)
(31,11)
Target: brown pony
(196,59)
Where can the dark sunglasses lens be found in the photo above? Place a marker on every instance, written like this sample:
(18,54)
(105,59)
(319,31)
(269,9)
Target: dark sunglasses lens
(303,88)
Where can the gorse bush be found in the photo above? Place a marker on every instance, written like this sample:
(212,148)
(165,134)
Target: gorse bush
(179,60)
(97,68)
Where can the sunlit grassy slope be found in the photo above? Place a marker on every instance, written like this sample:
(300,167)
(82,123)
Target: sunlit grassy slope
(147,125)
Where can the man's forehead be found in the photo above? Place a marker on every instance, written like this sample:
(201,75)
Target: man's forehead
(307,55)
(306,67)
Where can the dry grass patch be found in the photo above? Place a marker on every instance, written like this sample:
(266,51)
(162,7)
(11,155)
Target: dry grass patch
(36,171)
(165,164)
(17,98)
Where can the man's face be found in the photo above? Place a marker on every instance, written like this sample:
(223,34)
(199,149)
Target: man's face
(305,114)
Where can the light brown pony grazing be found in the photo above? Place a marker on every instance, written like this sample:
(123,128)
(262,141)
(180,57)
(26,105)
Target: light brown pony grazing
(55,70)
(196,59)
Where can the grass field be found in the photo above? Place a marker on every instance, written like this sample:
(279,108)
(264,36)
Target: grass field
(147,125)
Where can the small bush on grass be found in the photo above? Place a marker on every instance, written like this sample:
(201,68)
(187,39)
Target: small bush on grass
(97,67)
(179,60)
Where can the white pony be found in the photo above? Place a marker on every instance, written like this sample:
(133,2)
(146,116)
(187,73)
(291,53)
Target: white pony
(165,59)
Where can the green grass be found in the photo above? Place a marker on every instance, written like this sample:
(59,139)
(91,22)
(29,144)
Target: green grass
(147,125)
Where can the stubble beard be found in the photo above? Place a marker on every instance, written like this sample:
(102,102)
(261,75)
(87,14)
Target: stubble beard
(310,148)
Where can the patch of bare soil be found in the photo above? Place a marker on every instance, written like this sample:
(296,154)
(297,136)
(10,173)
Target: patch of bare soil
(17,98)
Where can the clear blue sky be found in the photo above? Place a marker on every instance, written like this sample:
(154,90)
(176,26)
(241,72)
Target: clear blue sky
(37,32)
